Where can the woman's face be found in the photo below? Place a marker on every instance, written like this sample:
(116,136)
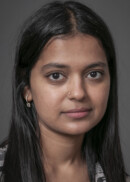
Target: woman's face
(70,84)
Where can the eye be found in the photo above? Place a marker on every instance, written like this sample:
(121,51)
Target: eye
(95,75)
(56,76)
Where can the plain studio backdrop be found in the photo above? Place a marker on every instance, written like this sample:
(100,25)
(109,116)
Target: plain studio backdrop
(117,16)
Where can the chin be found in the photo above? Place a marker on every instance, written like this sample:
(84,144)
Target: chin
(78,130)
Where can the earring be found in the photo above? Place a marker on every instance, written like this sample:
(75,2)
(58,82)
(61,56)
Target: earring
(27,103)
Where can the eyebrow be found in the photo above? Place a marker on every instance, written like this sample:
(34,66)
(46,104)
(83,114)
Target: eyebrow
(57,65)
(98,64)
(54,65)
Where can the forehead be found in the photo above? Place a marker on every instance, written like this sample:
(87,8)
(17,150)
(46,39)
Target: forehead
(72,49)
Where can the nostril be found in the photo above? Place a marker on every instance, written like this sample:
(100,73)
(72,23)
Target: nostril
(76,94)
(76,88)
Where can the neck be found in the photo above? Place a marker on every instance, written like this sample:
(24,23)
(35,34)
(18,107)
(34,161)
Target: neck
(60,150)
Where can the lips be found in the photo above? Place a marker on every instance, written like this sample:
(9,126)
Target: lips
(78,113)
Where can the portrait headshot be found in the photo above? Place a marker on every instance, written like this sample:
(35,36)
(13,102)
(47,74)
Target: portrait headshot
(65,91)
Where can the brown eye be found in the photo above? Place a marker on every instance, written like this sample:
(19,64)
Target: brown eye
(94,75)
(56,76)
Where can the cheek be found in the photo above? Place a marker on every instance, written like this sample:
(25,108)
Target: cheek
(99,97)
(47,99)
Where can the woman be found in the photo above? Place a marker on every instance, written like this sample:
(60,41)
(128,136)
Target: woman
(64,120)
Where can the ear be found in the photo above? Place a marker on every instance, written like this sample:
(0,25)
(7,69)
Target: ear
(27,93)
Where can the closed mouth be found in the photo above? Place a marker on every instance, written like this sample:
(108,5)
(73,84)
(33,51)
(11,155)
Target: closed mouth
(78,113)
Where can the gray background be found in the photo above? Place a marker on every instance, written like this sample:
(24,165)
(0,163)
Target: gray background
(116,14)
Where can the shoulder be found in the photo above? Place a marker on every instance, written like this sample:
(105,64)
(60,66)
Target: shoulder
(2,155)
(99,176)
(128,179)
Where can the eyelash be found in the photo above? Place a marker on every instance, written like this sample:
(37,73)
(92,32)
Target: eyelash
(52,74)
(99,74)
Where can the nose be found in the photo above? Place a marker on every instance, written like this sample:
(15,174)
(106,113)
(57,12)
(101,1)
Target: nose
(77,89)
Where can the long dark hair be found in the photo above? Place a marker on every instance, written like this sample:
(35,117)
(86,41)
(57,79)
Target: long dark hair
(101,144)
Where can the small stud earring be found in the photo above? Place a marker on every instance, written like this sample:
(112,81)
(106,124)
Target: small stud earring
(27,103)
